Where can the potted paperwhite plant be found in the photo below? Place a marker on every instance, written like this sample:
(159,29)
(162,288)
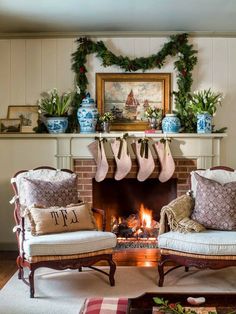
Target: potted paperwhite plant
(154,116)
(204,104)
(54,108)
(105,121)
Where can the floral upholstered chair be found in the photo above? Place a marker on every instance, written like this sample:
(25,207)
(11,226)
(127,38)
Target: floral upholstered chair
(53,228)
(199,229)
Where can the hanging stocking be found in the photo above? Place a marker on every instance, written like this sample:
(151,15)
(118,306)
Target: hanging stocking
(144,158)
(166,160)
(98,152)
(122,157)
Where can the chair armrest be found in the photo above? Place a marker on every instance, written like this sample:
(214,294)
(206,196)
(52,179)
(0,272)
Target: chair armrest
(103,214)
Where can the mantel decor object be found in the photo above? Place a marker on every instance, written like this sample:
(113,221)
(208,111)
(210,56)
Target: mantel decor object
(171,123)
(204,123)
(56,125)
(87,115)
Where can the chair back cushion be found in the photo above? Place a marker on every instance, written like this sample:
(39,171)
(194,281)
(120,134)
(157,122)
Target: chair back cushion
(215,204)
(61,219)
(47,187)
(218,175)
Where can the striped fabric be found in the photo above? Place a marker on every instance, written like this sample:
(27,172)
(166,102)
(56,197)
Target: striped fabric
(105,306)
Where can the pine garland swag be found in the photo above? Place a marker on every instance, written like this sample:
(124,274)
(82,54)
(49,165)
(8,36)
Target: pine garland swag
(177,46)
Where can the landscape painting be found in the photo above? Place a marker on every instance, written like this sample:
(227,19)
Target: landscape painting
(128,96)
(10,125)
(27,114)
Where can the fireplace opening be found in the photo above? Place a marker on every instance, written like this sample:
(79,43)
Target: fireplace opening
(133,208)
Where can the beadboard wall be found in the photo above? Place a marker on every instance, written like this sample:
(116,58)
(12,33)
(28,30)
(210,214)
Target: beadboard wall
(30,66)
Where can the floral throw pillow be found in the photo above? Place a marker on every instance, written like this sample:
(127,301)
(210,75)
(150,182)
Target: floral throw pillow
(47,193)
(215,204)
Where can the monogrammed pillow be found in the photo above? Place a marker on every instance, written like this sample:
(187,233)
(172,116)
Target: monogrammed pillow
(215,204)
(47,193)
(61,219)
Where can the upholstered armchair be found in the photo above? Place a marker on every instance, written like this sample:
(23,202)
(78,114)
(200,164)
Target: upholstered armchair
(199,229)
(53,228)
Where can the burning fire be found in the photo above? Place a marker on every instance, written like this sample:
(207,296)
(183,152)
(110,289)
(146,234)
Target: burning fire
(146,216)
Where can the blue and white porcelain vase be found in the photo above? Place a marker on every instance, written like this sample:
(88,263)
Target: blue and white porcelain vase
(56,125)
(87,115)
(204,123)
(171,123)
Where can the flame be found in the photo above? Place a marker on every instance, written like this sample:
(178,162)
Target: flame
(146,216)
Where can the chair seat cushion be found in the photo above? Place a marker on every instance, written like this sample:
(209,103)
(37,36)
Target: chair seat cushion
(68,243)
(208,242)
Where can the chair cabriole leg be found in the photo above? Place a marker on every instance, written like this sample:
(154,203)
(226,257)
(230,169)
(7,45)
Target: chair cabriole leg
(31,282)
(112,271)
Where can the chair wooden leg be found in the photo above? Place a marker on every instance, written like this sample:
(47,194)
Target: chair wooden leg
(161,274)
(31,282)
(112,271)
(80,269)
(20,268)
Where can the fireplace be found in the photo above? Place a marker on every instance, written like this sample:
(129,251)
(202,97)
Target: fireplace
(133,208)
(143,254)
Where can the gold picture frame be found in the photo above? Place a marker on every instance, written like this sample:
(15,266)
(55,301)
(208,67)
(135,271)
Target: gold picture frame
(127,95)
(27,114)
(10,125)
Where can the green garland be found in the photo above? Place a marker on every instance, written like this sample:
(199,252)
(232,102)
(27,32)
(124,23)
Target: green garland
(177,46)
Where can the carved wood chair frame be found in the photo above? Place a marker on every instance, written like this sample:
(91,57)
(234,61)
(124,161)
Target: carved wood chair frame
(179,259)
(58,264)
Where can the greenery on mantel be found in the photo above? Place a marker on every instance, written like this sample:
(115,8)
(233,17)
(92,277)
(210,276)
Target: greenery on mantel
(177,46)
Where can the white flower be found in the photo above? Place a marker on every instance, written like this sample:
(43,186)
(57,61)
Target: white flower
(77,89)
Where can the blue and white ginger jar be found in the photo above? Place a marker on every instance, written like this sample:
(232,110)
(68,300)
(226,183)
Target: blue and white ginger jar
(87,115)
(171,123)
(204,123)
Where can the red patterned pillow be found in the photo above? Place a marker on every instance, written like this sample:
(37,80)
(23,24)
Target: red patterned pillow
(215,204)
(47,193)
(105,305)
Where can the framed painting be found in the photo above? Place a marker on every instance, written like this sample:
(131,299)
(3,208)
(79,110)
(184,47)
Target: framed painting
(127,96)
(27,114)
(10,125)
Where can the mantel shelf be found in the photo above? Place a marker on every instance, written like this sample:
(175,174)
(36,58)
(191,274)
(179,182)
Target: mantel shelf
(110,135)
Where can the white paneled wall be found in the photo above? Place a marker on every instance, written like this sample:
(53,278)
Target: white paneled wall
(30,66)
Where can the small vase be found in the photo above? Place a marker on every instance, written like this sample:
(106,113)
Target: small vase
(56,125)
(87,115)
(204,123)
(153,123)
(171,123)
(106,125)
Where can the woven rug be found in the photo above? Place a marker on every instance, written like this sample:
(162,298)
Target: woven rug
(64,292)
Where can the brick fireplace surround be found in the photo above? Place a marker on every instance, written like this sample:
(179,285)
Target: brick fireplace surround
(86,169)
(190,152)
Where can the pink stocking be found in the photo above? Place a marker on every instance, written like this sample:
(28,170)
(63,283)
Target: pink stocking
(166,160)
(97,150)
(146,163)
(122,158)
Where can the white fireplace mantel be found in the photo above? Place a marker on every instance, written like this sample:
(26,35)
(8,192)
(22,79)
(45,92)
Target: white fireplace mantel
(205,148)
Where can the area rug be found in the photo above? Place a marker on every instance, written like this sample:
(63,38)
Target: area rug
(64,292)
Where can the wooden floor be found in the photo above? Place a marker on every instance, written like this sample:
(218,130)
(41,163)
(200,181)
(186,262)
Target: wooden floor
(7,266)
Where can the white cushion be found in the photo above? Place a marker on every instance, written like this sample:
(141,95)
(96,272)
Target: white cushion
(68,243)
(208,242)
(218,175)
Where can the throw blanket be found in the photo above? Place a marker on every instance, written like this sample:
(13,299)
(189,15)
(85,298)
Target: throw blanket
(177,214)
